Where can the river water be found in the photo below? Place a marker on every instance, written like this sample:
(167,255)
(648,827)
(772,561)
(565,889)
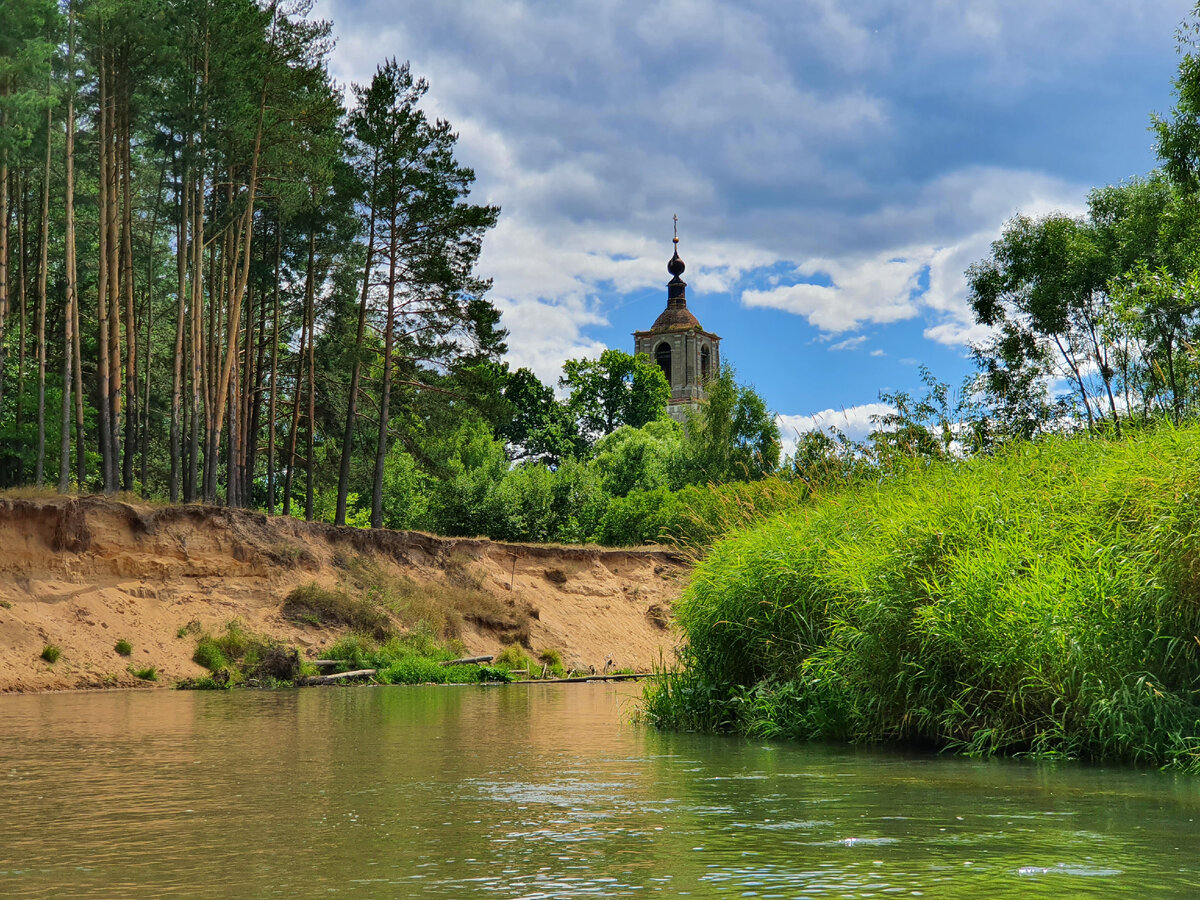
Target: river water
(540,792)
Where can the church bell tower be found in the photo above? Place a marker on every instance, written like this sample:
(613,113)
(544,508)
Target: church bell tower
(689,355)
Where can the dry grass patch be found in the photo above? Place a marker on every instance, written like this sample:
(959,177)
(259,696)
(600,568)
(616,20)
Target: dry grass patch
(311,604)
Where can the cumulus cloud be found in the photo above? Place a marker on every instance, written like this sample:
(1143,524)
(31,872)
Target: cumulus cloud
(876,290)
(852,343)
(853,421)
(865,149)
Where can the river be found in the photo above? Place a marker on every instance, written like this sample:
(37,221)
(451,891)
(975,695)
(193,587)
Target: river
(541,792)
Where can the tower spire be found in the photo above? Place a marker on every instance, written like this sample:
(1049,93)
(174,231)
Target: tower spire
(676,295)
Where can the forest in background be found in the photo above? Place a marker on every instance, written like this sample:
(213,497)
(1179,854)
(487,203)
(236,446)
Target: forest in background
(224,279)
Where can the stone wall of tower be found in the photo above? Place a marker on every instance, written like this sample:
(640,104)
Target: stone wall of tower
(688,370)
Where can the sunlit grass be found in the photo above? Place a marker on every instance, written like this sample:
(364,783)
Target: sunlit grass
(1044,602)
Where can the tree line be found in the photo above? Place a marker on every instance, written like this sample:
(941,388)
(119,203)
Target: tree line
(224,279)
(198,241)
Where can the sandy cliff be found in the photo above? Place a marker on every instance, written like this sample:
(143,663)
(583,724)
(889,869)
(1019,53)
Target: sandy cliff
(83,573)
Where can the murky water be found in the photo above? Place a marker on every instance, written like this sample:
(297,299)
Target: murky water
(540,792)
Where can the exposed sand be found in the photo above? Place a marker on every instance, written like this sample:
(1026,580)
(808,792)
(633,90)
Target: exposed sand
(83,573)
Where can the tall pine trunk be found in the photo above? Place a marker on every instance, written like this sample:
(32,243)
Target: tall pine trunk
(355,373)
(102,276)
(385,399)
(64,447)
(271,414)
(43,263)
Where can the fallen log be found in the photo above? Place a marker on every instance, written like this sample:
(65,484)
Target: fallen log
(582,678)
(333,679)
(466,661)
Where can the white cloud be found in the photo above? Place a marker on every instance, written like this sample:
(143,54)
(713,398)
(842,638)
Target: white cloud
(853,421)
(875,290)
(852,343)
(809,135)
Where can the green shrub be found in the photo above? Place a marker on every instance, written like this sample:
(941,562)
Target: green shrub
(209,655)
(51,653)
(123,647)
(1043,601)
(552,660)
(150,673)
(513,657)
(192,627)
(493,673)
(237,647)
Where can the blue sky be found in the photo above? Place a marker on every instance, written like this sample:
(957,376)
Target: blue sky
(835,164)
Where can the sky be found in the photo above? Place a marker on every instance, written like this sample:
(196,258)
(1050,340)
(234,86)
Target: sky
(836,165)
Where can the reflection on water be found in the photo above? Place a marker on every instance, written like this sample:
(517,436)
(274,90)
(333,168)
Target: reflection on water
(540,792)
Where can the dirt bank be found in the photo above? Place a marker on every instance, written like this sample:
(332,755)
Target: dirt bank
(83,573)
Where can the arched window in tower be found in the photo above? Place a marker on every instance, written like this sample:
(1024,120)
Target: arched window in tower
(704,363)
(662,356)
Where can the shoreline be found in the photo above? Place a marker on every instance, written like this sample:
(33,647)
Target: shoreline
(82,573)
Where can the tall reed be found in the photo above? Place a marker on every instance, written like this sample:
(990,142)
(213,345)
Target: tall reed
(1044,601)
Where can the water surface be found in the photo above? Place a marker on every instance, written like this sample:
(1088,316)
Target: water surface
(541,792)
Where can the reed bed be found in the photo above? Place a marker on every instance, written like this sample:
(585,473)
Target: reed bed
(1044,601)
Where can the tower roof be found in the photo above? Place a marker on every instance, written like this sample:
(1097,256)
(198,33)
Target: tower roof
(676,317)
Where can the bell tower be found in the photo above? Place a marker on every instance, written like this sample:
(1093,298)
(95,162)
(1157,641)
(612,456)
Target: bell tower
(689,355)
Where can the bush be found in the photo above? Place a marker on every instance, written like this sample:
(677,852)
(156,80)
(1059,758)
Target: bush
(1041,602)
(123,647)
(513,657)
(233,649)
(51,653)
(552,660)
(150,673)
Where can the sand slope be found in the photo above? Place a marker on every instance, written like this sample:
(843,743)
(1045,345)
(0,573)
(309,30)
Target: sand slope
(82,573)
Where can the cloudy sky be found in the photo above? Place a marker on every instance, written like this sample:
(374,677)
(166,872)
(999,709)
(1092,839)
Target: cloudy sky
(835,164)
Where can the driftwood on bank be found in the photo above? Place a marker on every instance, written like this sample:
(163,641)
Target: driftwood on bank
(632,676)
(466,661)
(333,679)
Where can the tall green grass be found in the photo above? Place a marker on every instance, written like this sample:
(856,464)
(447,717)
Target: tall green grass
(1045,601)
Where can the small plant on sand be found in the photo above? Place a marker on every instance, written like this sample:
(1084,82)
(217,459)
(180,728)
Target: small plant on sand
(192,627)
(50,653)
(552,660)
(150,673)
(5,604)
(123,647)
(513,657)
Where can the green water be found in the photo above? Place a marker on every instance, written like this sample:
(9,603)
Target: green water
(539,792)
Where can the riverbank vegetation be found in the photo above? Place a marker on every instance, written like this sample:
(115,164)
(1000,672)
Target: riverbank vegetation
(237,657)
(1042,600)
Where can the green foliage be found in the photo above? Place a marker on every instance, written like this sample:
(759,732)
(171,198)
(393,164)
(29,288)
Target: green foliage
(123,647)
(639,459)
(616,389)
(730,437)
(209,654)
(150,673)
(553,662)
(513,657)
(51,653)
(405,492)
(414,658)
(237,648)
(1041,601)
